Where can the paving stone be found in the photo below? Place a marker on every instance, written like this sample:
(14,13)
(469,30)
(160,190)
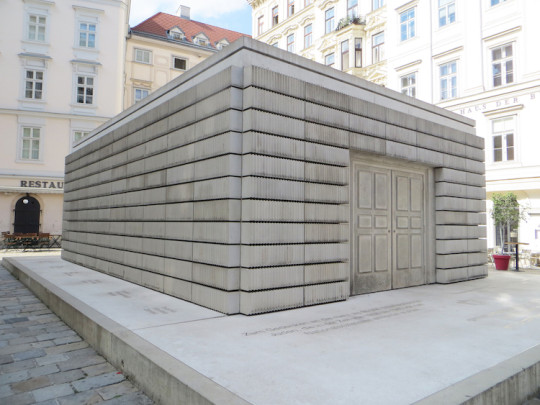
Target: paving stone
(81,398)
(69,339)
(98,381)
(54,391)
(22,399)
(51,358)
(4,359)
(29,354)
(98,369)
(22,340)
(43,344)
(130,399)
(66,347)
(31,385)
(12,377)
(116,390)
(81,362)
(57,335)
(43,370)
(67,376)
(18,366)
(16,320)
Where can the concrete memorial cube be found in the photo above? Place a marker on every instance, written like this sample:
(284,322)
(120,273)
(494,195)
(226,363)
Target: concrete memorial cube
(260,181)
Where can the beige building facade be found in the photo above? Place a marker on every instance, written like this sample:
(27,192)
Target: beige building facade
(62,65)
(165,46)
(475,58)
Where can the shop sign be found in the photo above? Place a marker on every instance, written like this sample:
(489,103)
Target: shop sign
(42,184)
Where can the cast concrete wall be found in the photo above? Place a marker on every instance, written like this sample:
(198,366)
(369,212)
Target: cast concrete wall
(230,186)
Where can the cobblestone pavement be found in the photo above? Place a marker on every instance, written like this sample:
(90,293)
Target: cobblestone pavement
(43,361)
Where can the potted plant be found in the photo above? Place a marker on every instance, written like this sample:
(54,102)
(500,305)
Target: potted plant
(506,214)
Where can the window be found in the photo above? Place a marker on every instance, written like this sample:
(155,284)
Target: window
(85,90)
(275,16)
(33,87)
(143,56)
(87,35)
(78,135)
(37,25)
(447,12)
(503,139)
(308,38)
(358,52)
(378,47)
(378,4)
(502,65)
(179,63)
(345,55)
(495,2)
(139,94)
(352,8)
(408,85)
(329,60)
(290,8)
(448,74)
(30,143)
(201,40)
(307,2)
(329,20)
(260,25)
(290,43)
(406,20)
(177,36)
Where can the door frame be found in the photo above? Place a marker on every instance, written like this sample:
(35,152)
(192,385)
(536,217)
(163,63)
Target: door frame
(429,204)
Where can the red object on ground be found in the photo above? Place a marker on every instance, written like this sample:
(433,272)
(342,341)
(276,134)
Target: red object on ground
(501,261)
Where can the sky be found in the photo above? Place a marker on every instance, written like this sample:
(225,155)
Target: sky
(234,15)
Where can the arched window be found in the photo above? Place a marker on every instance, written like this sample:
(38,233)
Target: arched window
(27,212)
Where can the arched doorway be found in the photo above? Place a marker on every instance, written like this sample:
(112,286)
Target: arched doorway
(27,212)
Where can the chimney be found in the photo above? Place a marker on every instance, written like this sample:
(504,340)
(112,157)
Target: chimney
(183,12)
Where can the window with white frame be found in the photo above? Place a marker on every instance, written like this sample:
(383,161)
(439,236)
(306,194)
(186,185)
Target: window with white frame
(495,2)
(290,43)
(352,8)
(502,63)
(143,56)
(308,36)
(448,80)
(447,12)
(33,84)
(378,47)
(275,16)
(179,63)
(378,4)
(408,84)
(85,90)
(290,8)
(345,55)
(329,60)
(37,27)
(78,135)
(201,40)
(176,34)
(87,35)
(358,52)
(260,25)
(139,94)
(406,23)
(329,20)
(503,139)
(30,143)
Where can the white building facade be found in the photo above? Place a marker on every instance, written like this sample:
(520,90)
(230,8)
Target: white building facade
(62,73)
(476,58)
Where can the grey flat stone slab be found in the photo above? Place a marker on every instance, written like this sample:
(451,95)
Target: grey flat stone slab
(423,339)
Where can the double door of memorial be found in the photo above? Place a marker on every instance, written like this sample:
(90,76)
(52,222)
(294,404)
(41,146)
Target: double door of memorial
(389,223)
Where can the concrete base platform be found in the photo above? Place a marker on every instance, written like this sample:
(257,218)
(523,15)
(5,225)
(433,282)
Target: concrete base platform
(475,342)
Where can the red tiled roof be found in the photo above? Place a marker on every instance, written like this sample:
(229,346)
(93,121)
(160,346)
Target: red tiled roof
(160,23)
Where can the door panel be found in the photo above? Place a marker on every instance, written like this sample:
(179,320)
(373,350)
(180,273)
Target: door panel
(372,237)
(389,222)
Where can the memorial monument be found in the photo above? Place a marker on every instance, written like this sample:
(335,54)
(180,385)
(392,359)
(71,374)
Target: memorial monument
(260,181)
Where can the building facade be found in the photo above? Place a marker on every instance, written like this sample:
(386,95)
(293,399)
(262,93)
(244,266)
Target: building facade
(476,58)
(62,66)
(164,46)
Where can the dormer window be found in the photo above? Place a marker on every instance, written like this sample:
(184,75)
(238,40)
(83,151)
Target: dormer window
(201,40)
(176,34)
(222,44)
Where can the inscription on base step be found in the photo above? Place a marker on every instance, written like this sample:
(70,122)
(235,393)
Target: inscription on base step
(341,321)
